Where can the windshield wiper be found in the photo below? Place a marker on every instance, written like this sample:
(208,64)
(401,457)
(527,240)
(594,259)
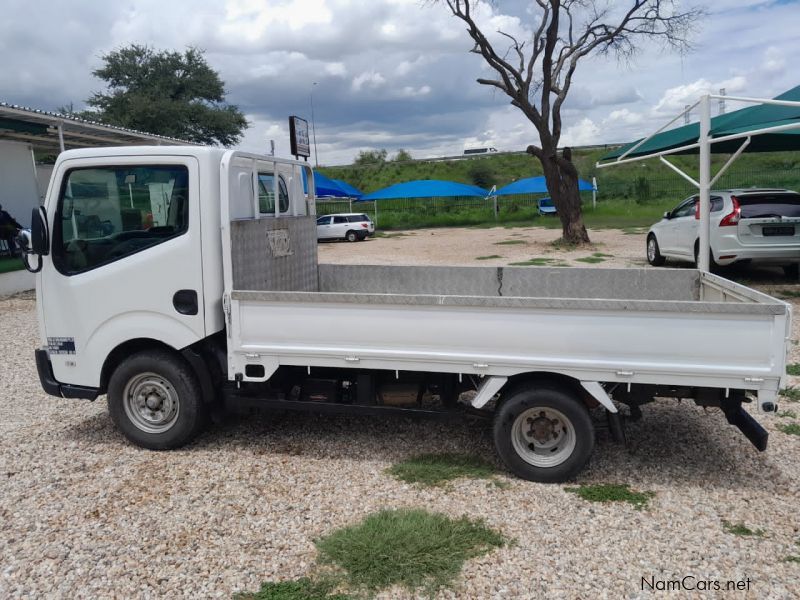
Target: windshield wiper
(764,216)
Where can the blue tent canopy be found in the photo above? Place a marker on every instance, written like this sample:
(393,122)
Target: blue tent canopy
(426,188)
(326,186)
(535,185)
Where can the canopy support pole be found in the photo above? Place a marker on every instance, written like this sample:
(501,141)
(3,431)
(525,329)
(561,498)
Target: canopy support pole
(733,157)
(61,135)
(594,193)
(704,250)
(678,171)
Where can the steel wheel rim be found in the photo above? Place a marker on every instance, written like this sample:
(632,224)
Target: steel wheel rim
(543,436)
(651,249)
(151,402)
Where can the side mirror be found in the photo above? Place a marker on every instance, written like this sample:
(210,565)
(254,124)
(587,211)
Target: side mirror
(39,234)
(667,215)
(23,240)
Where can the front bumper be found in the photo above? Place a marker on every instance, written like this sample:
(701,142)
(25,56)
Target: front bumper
(56,388)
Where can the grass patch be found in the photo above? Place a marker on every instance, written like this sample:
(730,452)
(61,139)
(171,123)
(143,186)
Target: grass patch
(10,264)
(381,234)
(634,230)
(791,394)
(602,255)
(409,547)
(793,369)
(510,243)
(791,559)
(741,529)
(299,589)
(591,259)
(613,492)
(785,293)
(491,256)
(788,414)
(436,469)
(790,428)
(535,262)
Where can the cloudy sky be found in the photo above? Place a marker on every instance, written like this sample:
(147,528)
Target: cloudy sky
(389,73)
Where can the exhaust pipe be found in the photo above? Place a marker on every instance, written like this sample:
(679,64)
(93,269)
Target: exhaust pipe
(751,428)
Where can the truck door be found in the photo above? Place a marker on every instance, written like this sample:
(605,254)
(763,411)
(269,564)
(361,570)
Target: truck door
(126,260)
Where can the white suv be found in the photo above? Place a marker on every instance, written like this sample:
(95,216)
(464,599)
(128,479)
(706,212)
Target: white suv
(346,226)
(759,225)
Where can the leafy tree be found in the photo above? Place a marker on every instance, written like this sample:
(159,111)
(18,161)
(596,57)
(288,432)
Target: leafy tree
(402,156)
(482,175)
(371,157)
(536,72)
(167,93)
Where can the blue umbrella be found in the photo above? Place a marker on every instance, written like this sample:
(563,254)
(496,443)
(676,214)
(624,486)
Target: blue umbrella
(535,185)
(426,188)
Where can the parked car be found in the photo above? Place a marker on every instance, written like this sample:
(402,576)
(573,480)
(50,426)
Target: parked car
(546,207)
(758,225)
(346,226)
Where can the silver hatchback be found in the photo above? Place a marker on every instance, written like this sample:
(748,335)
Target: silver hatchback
(758,225)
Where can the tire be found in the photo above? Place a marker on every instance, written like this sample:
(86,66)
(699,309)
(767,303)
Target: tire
(560,414)
(713,267)
(653,252)
(351,236)
(792,272)
(177,413)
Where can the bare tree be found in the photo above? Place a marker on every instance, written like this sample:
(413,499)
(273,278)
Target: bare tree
(536,72)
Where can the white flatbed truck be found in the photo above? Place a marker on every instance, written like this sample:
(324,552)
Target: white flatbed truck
(180,279)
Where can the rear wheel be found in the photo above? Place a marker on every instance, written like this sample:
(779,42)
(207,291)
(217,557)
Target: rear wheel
(155,400)
(351,236)
(792,271)
(543,433)
(653,253)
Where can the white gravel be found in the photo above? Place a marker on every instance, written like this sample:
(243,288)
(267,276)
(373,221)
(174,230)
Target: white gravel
(83,514)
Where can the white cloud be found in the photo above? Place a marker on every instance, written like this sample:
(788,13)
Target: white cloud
(371,79)
(411,92)
(774,60)
(337,69)
(624,116)
(582,133)
(676,98)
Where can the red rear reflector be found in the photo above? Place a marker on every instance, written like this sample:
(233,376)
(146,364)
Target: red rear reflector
(732,219)
(727,256)
(364,225)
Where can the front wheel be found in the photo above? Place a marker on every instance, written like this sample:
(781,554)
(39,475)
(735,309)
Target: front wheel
(543,433)
(653,253)
(155,400)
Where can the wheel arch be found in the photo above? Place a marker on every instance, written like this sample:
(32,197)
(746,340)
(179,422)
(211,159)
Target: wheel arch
(195,359)
(559,380)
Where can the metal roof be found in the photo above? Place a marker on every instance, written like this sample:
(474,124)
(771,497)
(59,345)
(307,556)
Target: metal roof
(40,128)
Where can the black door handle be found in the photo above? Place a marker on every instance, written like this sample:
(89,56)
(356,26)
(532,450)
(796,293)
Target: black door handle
(185,302)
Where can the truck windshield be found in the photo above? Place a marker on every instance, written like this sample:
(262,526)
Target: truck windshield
(105,214)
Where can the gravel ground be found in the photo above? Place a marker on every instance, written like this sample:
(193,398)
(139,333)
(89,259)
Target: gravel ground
(83,514)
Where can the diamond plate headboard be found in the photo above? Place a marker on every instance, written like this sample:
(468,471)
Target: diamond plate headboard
(275,254)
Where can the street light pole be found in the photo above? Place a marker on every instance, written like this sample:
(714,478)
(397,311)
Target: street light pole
(314,127)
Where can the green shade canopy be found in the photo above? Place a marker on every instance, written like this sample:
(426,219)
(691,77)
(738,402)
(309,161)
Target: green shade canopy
(741,121)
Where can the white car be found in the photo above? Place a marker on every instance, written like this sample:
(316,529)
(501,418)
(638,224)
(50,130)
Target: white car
(758,225)
(345,226)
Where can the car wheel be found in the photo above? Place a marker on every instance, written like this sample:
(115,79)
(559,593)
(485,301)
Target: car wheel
(351,236)
(653,253)
(155,400)
(792,271)
(543,433)
(713,267)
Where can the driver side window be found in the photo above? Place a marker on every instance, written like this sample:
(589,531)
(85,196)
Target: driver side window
(105,214)
(685,210)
